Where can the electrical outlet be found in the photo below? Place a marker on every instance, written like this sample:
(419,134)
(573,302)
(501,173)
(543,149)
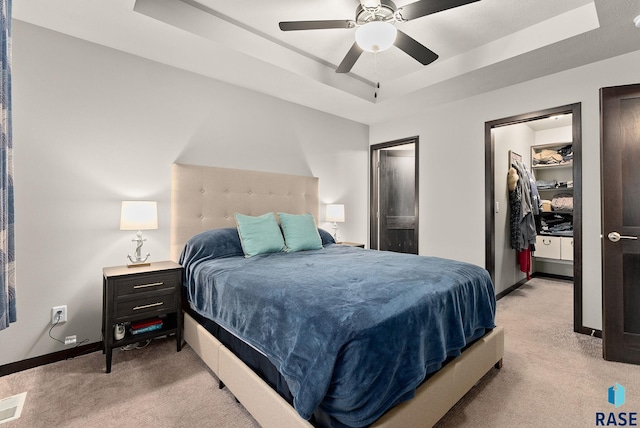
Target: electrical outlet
(70,340)
(61,317)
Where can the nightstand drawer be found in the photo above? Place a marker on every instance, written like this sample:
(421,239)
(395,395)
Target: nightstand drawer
(154,304)
(145,283)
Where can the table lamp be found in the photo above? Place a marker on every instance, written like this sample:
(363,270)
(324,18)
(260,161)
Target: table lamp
(335,213)
(139,215)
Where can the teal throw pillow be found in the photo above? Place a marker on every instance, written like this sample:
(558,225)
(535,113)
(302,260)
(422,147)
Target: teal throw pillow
(300,232)
(259,235)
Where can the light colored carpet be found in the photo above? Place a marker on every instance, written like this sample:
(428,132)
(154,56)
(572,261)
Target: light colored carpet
(150,387)
(551,377)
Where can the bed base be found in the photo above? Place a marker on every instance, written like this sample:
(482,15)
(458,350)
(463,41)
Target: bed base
(433,398)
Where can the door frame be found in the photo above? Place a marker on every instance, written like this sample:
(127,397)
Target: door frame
(490,244)
(374,186)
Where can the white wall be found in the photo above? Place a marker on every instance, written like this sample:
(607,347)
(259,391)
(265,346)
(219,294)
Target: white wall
(94,126)
(452,162)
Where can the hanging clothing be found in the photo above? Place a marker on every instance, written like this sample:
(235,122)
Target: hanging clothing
(524,259)
(515,203)
(525,202)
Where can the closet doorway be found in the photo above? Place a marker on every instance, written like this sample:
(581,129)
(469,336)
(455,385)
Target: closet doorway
(523,135)
(394,196)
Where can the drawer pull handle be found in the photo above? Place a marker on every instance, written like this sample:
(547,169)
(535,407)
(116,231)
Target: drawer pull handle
(148,306)
(153,284)
(546,241)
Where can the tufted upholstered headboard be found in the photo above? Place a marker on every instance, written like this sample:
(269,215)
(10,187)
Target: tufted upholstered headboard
(204,197)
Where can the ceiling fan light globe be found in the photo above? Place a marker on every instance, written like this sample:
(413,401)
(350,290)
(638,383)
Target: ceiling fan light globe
(376,36)
(370,4)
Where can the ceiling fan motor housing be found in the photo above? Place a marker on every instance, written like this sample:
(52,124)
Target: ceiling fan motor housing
(385,12)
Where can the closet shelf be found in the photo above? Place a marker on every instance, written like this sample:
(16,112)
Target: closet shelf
(551,166)
(556,212)
(554,189)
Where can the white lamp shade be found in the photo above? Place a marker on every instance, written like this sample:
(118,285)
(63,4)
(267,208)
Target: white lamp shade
(335,212)
(139,215)
(376,36)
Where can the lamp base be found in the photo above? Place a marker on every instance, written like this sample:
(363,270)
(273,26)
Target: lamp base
(137,260)
(134,265)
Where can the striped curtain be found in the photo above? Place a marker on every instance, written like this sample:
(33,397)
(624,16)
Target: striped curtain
(7,252)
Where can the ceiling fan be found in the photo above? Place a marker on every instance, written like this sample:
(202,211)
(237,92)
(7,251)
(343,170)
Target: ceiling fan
(375,32)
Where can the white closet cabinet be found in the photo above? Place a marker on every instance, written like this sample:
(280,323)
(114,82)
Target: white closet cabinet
(547,247)
(554,247)
(566,248)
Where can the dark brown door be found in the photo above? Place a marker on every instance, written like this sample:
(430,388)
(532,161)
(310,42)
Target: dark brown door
(397,201)
(620,110)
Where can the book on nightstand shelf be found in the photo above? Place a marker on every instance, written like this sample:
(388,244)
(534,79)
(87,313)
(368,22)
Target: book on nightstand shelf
(145,326)
(146,329)
(144,323)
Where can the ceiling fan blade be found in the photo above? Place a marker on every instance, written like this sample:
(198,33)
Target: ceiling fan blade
(316,25)
(350,59)
(427,7)
(418,51)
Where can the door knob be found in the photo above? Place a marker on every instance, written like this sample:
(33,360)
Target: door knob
(615,237)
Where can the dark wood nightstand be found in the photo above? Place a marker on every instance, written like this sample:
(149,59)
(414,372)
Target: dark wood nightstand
(351,244)
(141,293)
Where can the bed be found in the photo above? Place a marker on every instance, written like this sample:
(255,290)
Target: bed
(204,201)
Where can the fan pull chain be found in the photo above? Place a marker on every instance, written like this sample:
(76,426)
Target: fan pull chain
(375,73)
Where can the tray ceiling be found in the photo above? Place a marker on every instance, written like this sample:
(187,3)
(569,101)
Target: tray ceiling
(482,46)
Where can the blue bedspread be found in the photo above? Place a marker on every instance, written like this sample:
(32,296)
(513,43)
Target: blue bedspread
(353,331)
